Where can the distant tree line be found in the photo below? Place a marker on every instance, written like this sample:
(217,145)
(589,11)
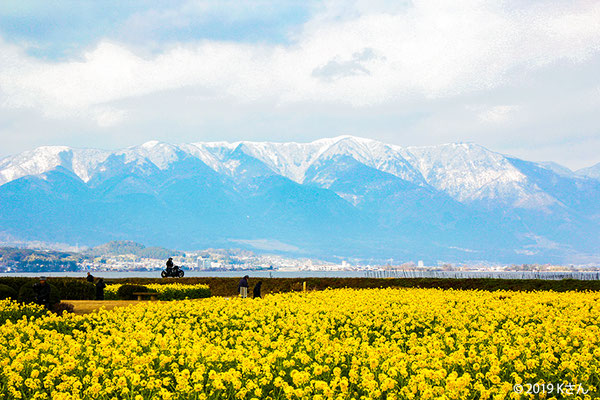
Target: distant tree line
(122,247)
(29,260)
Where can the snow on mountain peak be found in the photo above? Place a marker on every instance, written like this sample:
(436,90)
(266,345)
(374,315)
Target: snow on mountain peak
(159,153)
(288,159)
(151,143)
(45,158)
(465,171)
(292,159)
(32,162)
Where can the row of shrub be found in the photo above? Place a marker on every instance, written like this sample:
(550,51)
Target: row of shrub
(21,289)
(220,286)
(26,294)
(63,288)
(171,291)
(80,289)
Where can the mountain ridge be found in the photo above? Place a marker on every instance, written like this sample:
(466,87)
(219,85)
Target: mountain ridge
(343,196)
(202,151)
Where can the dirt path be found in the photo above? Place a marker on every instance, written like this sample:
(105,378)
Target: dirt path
(88,306)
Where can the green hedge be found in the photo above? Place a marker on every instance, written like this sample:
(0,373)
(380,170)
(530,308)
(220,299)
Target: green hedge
(68,288)
(16,282)
(126,292)
(228,286)
(27,294)
(6,292)
(74,289)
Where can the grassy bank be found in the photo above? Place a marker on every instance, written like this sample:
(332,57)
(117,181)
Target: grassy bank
(88,306)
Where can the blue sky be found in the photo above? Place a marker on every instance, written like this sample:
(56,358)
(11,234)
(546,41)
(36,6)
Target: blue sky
(58,30)
(517,77)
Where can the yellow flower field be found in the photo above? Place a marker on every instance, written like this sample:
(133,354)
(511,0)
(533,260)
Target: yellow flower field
(11,309)
(335,344)
(168,291)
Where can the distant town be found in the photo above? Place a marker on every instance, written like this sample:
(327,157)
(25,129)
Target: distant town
(124,256)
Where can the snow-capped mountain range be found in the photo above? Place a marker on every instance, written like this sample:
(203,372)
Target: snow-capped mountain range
(344,196)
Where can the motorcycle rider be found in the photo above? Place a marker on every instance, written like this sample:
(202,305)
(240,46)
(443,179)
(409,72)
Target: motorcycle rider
(169,266)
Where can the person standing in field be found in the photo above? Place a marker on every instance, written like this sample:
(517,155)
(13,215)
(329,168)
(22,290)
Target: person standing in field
(257,289)
(100,285)
(89,278)
(243,287)
(42,292)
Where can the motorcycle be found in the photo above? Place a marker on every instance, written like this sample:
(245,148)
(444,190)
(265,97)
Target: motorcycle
(176,272)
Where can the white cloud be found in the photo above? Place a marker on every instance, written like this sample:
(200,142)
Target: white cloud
(432,48)
(497,114)
(107,117)
(407,73)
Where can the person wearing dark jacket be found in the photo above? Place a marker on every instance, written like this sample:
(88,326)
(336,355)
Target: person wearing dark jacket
(257,289)
(169,265)
(42,292)
(100,285)
(89,278)
(243,287)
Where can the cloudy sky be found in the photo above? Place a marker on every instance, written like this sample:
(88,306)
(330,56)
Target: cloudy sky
(519,77)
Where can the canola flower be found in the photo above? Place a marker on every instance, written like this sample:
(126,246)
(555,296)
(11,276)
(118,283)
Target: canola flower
(169,291)
(334,344)
(12,310)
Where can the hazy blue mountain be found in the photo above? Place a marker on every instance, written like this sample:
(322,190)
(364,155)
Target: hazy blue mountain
(591,172)
(124,247)
(52,206)
(579,196)
(344,196)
